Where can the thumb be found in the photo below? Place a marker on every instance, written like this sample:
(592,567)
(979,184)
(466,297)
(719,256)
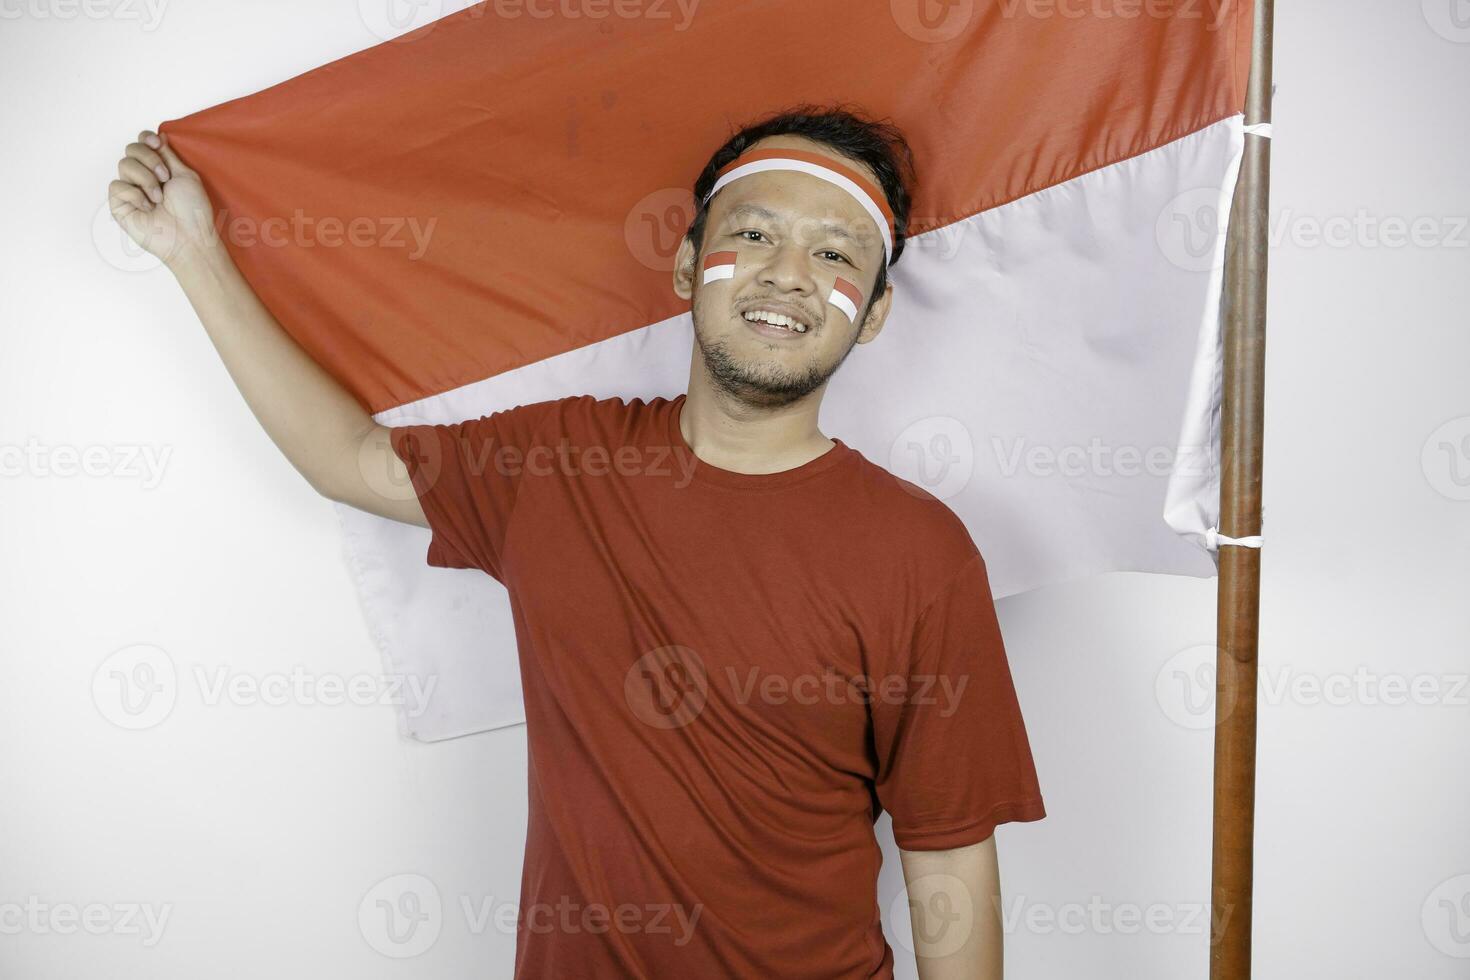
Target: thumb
(166,150)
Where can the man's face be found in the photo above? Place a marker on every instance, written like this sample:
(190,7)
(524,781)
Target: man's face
(793,235)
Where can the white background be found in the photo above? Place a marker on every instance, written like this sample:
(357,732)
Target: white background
(261,830)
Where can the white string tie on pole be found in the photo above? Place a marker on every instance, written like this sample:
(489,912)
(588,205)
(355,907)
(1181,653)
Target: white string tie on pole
(1259,129)
(1213,540)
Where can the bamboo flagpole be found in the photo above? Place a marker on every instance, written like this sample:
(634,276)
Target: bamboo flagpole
(1239,588)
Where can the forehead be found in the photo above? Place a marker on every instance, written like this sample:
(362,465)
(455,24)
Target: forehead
(790,197)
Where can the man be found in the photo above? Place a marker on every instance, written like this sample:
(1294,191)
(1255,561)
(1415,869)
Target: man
(739,639)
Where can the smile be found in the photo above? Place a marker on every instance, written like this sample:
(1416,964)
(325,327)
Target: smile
(771,323)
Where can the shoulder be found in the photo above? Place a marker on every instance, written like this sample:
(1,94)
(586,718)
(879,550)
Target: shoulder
(921,539)
(554,417)
(910,512)
(608,421)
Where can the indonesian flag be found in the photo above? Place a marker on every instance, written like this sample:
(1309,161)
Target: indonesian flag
(484,212)
(719,265)
(846,297)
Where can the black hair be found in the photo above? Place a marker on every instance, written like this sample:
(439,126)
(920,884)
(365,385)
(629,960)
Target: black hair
(877,144)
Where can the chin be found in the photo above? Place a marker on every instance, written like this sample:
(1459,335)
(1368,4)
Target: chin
(760,381)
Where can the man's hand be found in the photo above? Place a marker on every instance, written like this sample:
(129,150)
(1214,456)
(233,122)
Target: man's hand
(160,202)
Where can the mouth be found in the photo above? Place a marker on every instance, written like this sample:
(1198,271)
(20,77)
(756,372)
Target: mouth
(776,320)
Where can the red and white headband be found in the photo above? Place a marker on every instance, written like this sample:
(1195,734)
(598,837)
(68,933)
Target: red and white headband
(863,190)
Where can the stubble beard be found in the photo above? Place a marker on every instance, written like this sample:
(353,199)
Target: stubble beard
(761,385)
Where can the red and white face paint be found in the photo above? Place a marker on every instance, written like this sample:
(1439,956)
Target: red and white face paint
(717,266)
(846,297)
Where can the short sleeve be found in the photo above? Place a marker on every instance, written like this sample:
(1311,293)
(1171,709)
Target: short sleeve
(467,476)
(953,758)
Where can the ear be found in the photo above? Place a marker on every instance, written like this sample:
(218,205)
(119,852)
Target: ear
(877,315)
(685,261)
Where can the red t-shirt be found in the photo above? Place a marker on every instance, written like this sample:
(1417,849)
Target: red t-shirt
(727,677)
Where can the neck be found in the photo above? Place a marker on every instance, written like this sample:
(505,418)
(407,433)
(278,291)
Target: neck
(735,435)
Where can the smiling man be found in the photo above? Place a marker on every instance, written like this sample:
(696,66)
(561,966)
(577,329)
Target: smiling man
(740,640)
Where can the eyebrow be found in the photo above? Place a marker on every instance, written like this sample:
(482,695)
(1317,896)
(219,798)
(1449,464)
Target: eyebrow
(756,211)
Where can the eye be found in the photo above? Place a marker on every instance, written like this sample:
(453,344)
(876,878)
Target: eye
(751,231)
(838,254)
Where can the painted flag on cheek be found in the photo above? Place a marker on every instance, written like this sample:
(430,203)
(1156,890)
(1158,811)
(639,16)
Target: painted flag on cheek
(516,190)
(719,265)
(846,297)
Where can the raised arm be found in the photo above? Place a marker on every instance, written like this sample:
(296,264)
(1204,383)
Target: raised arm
(320,427)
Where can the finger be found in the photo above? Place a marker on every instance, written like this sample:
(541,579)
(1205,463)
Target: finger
(121,190)
(148,136)
(150,159)
(134,171)
(122,209)
(124,206)
(175,165)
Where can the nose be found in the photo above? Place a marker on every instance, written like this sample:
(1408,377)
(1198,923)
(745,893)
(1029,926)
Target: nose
(788,269)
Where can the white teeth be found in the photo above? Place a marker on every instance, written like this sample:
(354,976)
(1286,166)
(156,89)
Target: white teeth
(776,319)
